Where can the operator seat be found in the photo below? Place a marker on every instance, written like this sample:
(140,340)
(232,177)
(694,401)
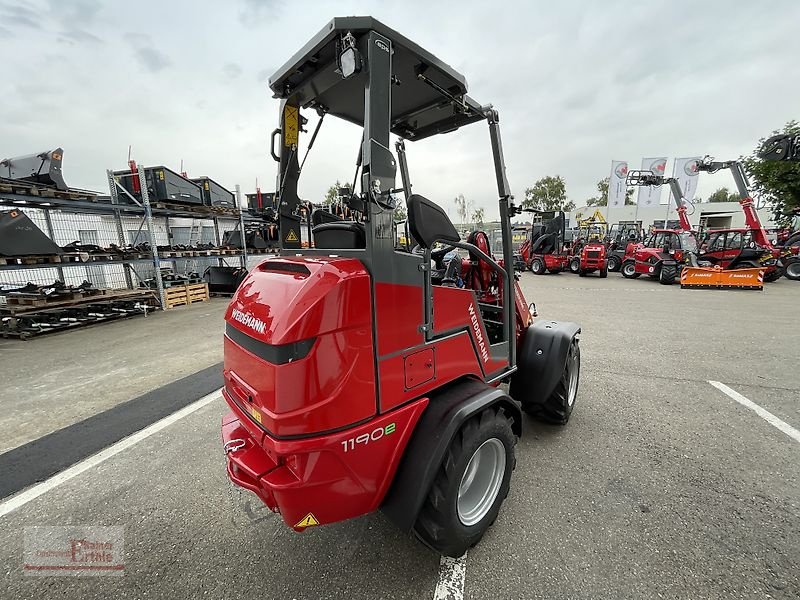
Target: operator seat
(428,223)
(331,232)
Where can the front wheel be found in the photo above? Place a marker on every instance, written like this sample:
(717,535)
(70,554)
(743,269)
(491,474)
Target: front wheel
(604,270)
(629,270)
(614,263)
(774,275)
(470,486)
(537,266)
(793,270)
(575,265)
(557,409)
(667,274)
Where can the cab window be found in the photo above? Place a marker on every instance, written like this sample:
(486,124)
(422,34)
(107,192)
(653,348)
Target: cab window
(734,240)
(716,242)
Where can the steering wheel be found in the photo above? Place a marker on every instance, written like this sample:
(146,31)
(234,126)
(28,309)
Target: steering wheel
(436,255)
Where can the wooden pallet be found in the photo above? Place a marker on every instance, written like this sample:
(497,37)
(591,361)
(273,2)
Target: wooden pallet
(16,306)
(47,260)
(9,186)
(39,259)
(186,294)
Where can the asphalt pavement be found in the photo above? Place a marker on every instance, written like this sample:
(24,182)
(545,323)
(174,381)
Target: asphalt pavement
(661,485)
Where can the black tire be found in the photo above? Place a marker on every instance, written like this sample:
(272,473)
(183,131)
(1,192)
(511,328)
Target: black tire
(439,524)
(575,265)
(557,409)
(774,275)
(629,270)
(554,271)
(614,263)
(792,270)
(582,272)
(537,266)
(604,270)
(667,274)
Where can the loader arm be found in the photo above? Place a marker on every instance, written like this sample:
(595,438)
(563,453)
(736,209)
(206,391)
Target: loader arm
(650,178)
(751,218)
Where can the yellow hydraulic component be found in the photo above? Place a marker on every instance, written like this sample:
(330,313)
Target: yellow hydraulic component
(596,219)
(718,278)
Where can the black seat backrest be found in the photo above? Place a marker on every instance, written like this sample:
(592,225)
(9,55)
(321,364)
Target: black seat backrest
(544,244)
(339,235)
(428,222)
(320,216)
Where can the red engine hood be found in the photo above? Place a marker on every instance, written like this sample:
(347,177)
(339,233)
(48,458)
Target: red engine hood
(287,299)
(298,346)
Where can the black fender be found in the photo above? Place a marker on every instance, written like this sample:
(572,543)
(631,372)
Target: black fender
(542,357)
(447,411)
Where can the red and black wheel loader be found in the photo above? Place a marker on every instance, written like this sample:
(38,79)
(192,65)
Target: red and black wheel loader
(543,251)
(358,378)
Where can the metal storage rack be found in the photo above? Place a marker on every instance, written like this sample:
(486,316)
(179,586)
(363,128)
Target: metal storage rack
(61,214)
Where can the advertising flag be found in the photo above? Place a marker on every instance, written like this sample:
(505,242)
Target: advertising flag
(616,183)
(685,171)
(650,195)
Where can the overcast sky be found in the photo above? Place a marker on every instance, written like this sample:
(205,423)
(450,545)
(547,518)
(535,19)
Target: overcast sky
(577,84)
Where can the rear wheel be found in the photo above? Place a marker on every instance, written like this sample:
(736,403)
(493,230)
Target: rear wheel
(614,263)
(793,270)
(554,271)
(604,270)
(558,407)
(470,486)
(537,266)
(629,270)
(575,265)
(667,274)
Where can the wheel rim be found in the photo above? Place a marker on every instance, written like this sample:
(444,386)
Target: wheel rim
(481,482)
(793,269)
(573,371)
(629,269)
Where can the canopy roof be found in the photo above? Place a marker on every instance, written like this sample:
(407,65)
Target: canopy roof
(418,109)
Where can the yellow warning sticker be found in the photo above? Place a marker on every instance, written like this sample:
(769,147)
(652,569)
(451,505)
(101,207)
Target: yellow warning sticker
(291,116)
(291,236)
(255,414)
(308,521)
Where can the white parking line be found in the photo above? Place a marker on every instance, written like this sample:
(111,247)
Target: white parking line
(761,412)
(37,490)
(452,572)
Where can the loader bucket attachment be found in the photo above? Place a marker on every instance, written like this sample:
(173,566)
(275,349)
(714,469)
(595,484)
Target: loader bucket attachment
(19,236)
(717,278)
(43,168)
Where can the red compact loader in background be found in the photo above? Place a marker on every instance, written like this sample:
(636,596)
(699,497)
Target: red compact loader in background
(589,250)
(359,376)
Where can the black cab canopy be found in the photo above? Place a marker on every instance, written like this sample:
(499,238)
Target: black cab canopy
(418,110)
